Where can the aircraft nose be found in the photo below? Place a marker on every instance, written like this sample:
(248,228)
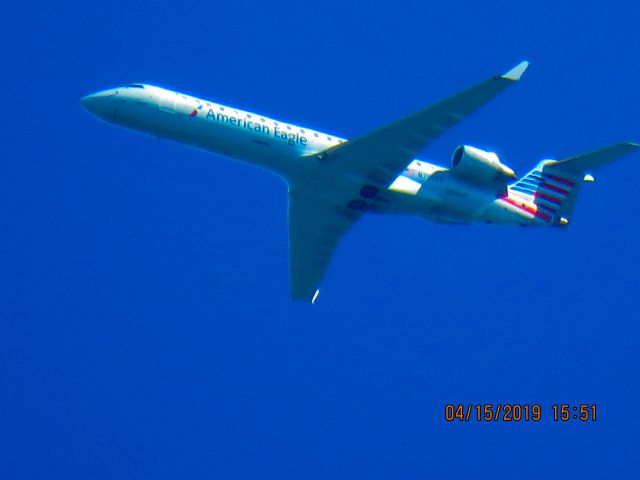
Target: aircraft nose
(101,104)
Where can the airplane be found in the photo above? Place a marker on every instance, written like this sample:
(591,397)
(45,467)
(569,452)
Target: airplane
(332,181)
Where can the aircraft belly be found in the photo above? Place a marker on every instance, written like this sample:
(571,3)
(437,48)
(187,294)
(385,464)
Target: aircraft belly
(423,189)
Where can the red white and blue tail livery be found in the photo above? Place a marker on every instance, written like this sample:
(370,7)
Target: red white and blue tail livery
(550,190)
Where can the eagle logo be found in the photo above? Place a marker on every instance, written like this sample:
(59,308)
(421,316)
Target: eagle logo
(194,112)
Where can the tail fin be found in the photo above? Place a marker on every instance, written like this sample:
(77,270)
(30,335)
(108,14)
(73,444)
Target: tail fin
(553,185)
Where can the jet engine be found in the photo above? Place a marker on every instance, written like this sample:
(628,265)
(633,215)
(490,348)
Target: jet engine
(479,166)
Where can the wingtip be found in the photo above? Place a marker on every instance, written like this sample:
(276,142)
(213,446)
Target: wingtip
(315,297)
(629,145)
(516,72)
(305,298)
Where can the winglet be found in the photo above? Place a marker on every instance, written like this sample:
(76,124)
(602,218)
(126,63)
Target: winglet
(516,72)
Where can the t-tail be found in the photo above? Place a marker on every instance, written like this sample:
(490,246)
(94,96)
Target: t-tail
(553,185)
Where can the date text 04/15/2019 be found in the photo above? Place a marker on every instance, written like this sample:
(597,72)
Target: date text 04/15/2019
(514,412)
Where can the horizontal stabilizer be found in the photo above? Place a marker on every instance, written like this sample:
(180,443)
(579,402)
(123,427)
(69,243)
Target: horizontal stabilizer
(595,159)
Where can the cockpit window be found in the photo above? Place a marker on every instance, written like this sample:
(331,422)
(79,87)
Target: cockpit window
(136,85)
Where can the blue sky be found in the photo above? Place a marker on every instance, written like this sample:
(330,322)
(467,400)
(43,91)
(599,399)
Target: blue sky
(146,328)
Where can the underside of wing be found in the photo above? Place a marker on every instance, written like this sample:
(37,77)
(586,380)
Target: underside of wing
(380,156)
(355,173)
(315,228)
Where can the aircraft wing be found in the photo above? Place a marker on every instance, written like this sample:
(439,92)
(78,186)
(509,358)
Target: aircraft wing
(315,228)
(380,156)
(318,218)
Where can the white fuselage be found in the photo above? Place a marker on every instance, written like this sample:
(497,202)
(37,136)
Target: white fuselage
(423,189)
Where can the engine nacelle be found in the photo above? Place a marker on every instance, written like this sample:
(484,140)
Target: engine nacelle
(479,166)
